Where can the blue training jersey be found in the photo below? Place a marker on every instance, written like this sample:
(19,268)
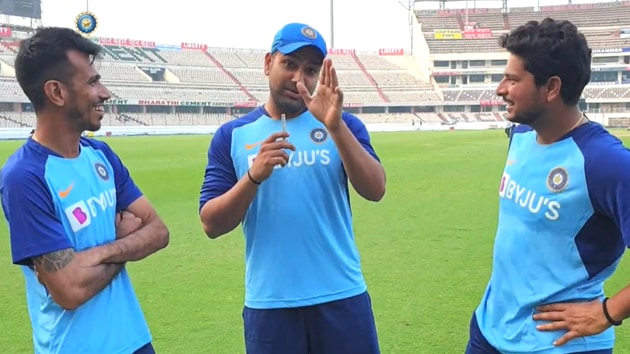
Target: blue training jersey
(299,242)
(53,203)
(564,223)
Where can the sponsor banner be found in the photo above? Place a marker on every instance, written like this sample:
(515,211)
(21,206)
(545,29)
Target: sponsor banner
(245,104)
(477,33)
(5,32)
(487,103)
(162,102)
(391,51)
(572,7)
(611,50)
(339,51)
(158,102)
(447,34)
(453,12)
(134,43)
(194,46)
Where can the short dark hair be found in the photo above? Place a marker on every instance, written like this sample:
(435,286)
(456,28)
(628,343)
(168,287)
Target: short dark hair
(553,48)
(44,57)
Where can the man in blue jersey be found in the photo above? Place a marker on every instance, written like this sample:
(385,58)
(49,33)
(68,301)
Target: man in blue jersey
(304,288)
(564,207)
(61,194)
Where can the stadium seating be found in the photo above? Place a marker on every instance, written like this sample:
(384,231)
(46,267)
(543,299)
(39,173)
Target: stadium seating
(600,24)
(229,76)
(235,76)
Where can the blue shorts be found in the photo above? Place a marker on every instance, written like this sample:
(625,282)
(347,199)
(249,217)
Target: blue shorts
(338,327)
(145,349)
(477,343)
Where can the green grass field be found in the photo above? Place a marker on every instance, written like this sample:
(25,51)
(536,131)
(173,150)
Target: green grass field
(426,248)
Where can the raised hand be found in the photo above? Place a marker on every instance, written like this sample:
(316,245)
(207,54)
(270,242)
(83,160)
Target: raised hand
(326,103)
(272,153)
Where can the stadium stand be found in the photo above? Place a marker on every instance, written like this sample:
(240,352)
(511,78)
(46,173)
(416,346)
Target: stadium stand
(450,77)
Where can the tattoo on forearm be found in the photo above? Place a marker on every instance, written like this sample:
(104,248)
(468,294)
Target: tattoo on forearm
(55,261)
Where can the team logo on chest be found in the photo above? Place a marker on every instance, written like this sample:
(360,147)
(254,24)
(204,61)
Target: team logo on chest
(319,135)
(557,179)
(101,171)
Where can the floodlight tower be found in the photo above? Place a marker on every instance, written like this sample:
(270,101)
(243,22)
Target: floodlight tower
(38,22)
(409,5)
(332,24)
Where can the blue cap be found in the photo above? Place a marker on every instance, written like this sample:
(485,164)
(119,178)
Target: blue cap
(295,36)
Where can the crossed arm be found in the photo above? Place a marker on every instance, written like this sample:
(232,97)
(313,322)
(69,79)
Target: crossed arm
(72,278)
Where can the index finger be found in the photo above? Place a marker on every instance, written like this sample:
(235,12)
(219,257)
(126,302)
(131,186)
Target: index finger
(548,316)
(275,136)
(552,307)
(323,71)
(334,79)
(278,145)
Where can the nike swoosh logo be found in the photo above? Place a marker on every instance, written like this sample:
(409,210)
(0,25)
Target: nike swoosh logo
(251,146)
(66,192)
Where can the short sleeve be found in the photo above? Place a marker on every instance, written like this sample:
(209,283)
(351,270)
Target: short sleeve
(219,174)
(127,191)
(34,227)
(608,178)
(359,130)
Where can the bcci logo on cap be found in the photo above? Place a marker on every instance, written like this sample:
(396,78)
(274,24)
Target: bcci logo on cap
(86,23)
(309,33)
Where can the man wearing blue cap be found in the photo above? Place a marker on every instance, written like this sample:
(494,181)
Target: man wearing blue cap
(305,292)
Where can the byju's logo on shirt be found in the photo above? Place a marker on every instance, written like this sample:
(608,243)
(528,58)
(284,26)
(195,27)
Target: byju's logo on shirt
(78,216)
(528,199)
(301,158)
(81,214)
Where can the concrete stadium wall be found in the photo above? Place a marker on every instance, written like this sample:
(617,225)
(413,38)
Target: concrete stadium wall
(22,133)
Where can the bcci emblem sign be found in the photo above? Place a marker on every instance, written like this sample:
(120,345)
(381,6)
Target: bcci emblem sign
(558,179)
(101,171)
(318,135)
(309,33)
(86,23)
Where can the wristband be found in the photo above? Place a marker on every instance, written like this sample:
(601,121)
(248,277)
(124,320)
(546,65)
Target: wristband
(252,179)
(607,315)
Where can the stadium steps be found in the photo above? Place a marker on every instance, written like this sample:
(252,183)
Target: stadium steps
(506,21)
(11,46)
(229,74)
(13,120)
(125,118)
(419,118)
(460,21)
(444,119)
(370,78)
